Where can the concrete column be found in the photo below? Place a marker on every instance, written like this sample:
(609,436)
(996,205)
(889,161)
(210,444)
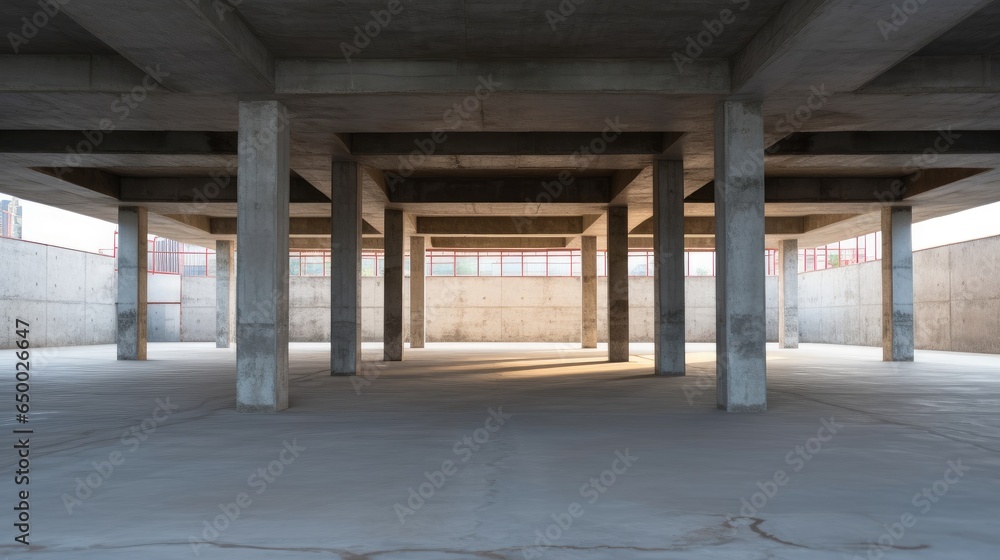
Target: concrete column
(588,281)
(788,294)
(741,333)
(668,282)
(417,280)
(345,274)
(225,294)
(392,334)
(897,284)
(262,268)
(132,265)
(618,284)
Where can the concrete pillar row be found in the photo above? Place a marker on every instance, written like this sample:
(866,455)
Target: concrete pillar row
(788,294)
(588,283)
(418,278)
(133,262)
(668,271)
(262,269)
(741,333)
(225,294)
(617,259)
(897,284)
(393,289)
(345,264)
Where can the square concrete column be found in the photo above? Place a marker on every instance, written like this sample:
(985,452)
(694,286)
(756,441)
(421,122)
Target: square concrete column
(741,333)
(788,293)
(897,284)
(417,281)
(588,282)
(617,260)
(345,273)
(668,281)
(262,267)
(225,294)
(392,334)
(132,265)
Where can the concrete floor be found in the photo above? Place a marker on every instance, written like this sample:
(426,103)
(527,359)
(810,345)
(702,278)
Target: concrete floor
(899,426)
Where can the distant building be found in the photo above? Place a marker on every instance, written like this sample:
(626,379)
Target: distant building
(11,218)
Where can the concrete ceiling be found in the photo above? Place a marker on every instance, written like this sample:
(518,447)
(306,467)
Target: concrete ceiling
(821,67)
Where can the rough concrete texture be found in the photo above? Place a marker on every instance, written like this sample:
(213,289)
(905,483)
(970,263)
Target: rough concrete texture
(225,294)
(617,284)
(898,427)
(131,308)
(588,291)
(897,284)
(788,293)
(741,328)
(346,316)
(418,299)
(668,281)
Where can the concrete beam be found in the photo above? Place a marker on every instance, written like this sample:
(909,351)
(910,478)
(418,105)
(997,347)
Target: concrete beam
(617,262)
(305,227)
(262,266)
(788,294)
(668,272)
(564,188)
(814,190)
(803,45)
(225,293)
(940,74)
(741,330)
(705,226)
(197,46)
(330,76)
(498,243)
(392,334)
(205,190)
(500,225)
(67,73)
(133,229)
(690,243)
(418,275)
(345,259)
(125,142)
(871,143)
(897,284)
(579,144)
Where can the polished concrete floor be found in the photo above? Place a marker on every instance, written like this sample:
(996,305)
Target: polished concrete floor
(592,460)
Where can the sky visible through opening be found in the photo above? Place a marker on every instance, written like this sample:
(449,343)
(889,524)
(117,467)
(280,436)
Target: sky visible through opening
(53,226)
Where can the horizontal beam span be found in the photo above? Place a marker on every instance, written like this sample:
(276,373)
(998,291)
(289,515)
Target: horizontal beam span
(500,225)
(119,142)
(701,76)
(960,142)
(705,226)
(564,188)
(498,243)
(301,227)
(612,140)
(940,74)
(814,190)
(204,190)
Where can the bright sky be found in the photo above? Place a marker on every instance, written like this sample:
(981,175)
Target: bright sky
(52,226)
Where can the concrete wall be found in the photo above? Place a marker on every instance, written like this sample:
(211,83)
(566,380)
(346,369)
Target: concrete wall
(956,300)
(67,297)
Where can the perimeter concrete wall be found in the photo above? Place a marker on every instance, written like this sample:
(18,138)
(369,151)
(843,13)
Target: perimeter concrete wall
(956,300)
(67,297)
